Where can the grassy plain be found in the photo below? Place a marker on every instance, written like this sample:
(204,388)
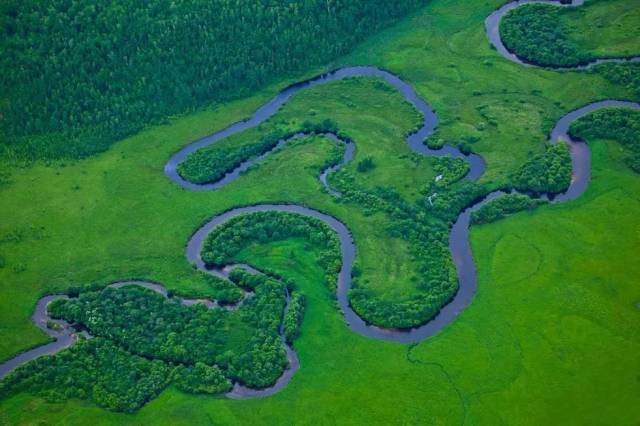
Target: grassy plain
(549,338)
(606,27)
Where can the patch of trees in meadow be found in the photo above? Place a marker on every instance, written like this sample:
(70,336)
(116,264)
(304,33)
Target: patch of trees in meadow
(201,378)
(534,32)
(76,75)
(619,124)
(449,170)
(546,173)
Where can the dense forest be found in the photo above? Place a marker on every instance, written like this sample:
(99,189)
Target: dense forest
(76,75)
(142,341)
(619,124)
(148,324)
(94,369)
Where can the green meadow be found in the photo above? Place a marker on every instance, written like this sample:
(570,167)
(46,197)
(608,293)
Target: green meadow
(606,28)
(551,336)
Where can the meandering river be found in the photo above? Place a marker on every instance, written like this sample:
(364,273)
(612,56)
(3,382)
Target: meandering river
(459,245)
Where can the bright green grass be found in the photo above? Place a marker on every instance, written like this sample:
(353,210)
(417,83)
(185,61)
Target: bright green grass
(549,339)
(605,27)
(538,344)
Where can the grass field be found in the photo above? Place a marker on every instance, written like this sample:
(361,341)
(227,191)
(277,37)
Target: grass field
(605,27)
(550,337)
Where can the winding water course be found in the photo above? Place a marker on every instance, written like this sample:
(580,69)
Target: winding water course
(66,335)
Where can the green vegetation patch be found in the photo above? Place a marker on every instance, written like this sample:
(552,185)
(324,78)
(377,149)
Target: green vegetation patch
(201,378)
(534,33)
(624,74)
(424,225)
(92,73)
(148,324)
(548,173)
(95,369)
(555,36)
(293,316)
(228,239)
(143,341)
(210,164)
(619,124)
(504,206)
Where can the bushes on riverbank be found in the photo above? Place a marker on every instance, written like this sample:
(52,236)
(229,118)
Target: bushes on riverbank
(293,317)
(504,206)
(212,163)
(425,226)
(94,369)
(225,241)
(619,124)
(625,74)
(547,173)
(201,378)
(535,34)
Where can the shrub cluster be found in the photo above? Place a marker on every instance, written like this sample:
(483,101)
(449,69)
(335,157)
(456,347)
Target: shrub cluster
(504,206)
(619,124)
(201,378)
(365,165)
(210,164)
(546,173)
(625,74)
(449,170)
(534,32)
(293,317)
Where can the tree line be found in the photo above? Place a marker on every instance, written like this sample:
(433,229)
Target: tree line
(504,206)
